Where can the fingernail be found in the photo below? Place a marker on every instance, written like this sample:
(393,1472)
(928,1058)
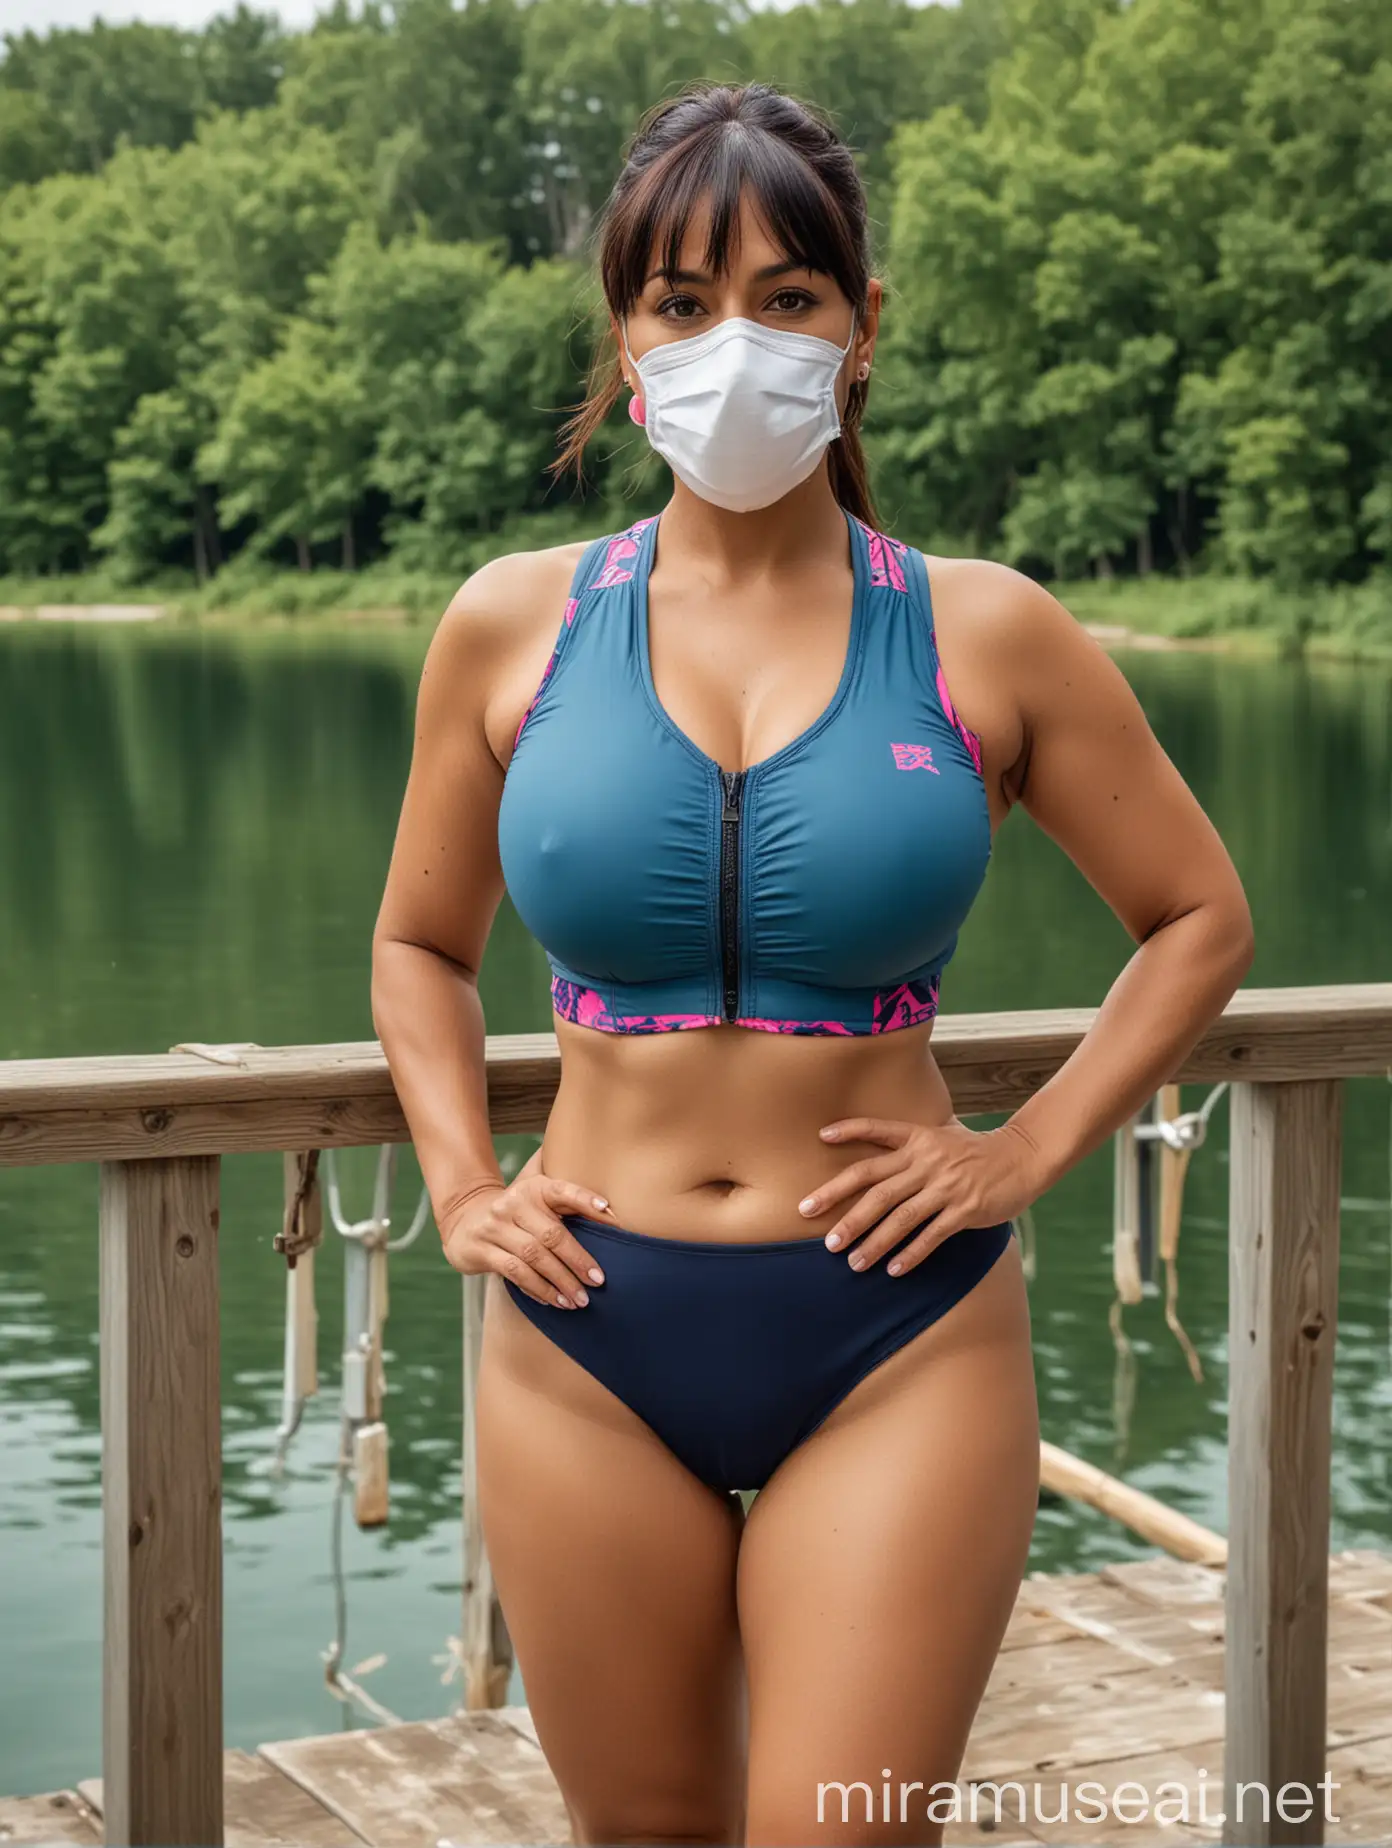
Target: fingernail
(857,1262)
(895,1268)
(830,1134)
(582,1296)
(601,1203)
(833,1240)
(596,1276)
(563,1301)
(809,1205)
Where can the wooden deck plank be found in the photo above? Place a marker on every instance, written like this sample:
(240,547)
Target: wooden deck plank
(1369,1758)
(471,1779)
(1137,1626)
(1057,1807)
(1165,1582)
(1361,1573)
(1049,1725)
(262,1808)
(1106,1678)
(60,1816)
(1029,1626)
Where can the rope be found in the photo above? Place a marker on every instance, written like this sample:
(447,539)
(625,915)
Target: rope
(374,1229)
(1180,1134)
(342,1685)
(373,1233)
(1186,1132)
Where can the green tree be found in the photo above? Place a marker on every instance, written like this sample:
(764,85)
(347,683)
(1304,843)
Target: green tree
(158,507)
(1146,302)
(100,86)
(291,450)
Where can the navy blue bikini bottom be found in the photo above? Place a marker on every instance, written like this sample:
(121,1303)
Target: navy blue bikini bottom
(734,1352)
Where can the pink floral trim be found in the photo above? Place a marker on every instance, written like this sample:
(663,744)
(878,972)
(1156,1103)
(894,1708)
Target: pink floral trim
(621,548)
(908,1004)
(968,737)
(886,555)
(531,703)
(793,1026)
(587,1008)
(572,605)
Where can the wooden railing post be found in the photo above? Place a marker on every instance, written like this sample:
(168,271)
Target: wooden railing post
(161,1502)
(1283,1305)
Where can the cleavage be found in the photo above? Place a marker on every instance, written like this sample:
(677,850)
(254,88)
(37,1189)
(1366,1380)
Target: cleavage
(741,697)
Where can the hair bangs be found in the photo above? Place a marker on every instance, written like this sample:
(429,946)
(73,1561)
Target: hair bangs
(713,170)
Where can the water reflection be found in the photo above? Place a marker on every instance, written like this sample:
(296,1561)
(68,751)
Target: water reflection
(194,831)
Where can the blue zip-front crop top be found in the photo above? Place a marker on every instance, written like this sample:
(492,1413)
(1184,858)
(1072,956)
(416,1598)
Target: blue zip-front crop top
(818,891)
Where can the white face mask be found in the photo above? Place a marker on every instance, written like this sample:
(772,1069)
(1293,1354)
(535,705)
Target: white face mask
(741,413)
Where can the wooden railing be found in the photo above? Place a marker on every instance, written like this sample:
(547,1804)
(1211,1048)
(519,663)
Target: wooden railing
(158,1124)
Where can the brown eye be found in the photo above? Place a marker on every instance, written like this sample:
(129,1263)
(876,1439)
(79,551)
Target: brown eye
(678,307)
(789,301)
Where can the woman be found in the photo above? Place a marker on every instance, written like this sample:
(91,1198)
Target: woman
(717,762)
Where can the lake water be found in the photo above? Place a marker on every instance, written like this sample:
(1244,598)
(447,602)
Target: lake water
(194,832)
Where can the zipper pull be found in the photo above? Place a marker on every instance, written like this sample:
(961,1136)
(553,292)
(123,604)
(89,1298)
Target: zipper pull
(732,782)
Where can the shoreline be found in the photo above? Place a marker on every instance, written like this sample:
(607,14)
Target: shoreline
(1252,642)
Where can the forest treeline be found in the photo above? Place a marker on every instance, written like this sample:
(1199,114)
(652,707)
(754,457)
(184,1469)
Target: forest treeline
(320,298)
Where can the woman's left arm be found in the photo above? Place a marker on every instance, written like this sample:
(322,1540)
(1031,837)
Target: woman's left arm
(1094,776)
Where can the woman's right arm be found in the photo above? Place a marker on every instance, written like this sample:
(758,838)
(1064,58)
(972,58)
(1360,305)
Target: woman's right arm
(443,889)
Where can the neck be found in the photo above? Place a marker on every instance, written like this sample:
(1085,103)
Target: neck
(806,528)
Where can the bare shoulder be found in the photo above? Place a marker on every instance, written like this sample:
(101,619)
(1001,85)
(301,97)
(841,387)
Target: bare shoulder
(1013,655)
(977,601)
(993,620)
(492,642)
(504,600)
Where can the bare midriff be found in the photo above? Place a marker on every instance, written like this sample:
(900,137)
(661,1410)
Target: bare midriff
(712,1132)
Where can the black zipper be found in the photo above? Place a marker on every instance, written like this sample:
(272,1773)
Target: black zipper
(732,782)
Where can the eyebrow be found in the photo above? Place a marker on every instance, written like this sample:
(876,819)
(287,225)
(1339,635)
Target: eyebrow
(769,271)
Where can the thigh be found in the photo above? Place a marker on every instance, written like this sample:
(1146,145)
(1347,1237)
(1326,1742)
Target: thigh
(615,1569)
(877,1574)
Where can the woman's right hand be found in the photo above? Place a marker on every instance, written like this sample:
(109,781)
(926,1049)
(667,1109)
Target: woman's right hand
(517,1231)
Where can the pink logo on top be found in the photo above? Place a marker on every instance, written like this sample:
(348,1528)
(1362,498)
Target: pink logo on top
(914,757)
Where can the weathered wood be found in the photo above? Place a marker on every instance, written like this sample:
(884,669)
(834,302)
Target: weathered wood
(1066,1474)
(1174,1166)
(1139,1783)
(161,1502)
(1283,1304)
(1144,1632)
(1166,1583)
(335,1096)
(371,1477)
(1096,1668)
(471,1779)
(264,1808)
(60,1816)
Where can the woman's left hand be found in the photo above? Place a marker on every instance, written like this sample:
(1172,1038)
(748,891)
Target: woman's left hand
(952,1175)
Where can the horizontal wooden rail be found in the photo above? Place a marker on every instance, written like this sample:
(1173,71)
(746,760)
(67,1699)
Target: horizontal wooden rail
(157,1124)
(147,1105)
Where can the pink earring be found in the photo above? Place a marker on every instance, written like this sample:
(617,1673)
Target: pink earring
(636,409)
(864,371)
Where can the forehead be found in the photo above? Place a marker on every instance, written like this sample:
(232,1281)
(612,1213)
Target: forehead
(748,244)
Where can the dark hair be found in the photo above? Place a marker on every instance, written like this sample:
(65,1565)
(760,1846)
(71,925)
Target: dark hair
(712,142)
